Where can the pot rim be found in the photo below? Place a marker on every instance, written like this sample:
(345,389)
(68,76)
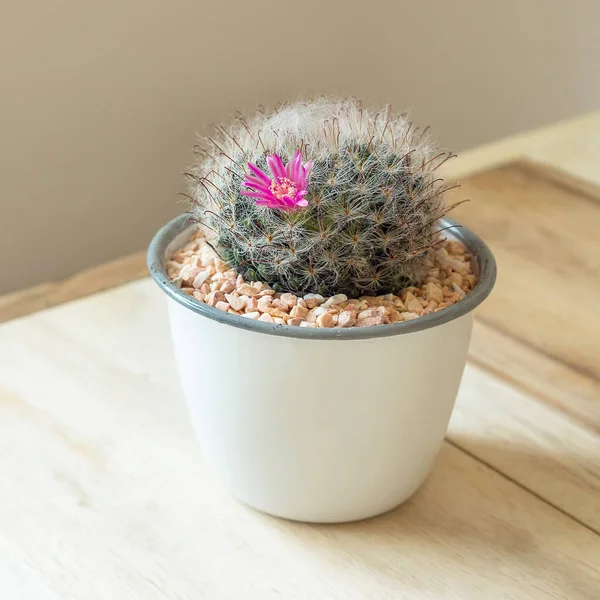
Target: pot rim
(486,266)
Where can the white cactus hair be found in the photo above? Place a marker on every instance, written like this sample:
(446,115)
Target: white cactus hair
(374,198)
(319,127)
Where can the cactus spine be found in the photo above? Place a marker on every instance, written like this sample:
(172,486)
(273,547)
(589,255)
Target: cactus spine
(374,200)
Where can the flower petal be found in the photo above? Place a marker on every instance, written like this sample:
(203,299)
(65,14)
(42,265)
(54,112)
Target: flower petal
(251,194)
(255,183)
(259,174)
(303,202)
(292,168)
(276,165)
(296,166)
(304,172)
(291,203)
(288,170)
(265,202)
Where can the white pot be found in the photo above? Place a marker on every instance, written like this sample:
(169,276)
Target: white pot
(320,425)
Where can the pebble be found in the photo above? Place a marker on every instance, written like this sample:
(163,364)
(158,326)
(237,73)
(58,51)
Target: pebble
(459,291)
(455,248)
(412,304)
(298,311)
(200,279)
(431,306)
(236,302)
(252,315)
(264,303)
(213,297)
(433,292)
(251,303)
(278,303)
(313,300)
(325,320)
(377,319)
(452,279)
(334,300)
(346,319)
(266,318)
(399,305)
(289,299)
(247,290)
(411,289)
(275,312)
(409,316)
(394,316)
(201,274)
(310,317)
(456,265)
(368,313)
(319,310)
(188,274)
(228,286)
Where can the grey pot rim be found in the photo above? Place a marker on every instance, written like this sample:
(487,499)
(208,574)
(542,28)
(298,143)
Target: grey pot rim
(485,262)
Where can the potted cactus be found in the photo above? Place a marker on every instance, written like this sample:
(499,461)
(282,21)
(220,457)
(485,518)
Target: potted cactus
(321,307)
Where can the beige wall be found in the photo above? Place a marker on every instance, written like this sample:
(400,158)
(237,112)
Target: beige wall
(101,100)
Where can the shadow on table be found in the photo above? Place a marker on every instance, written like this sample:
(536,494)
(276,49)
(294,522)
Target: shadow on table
(468,522)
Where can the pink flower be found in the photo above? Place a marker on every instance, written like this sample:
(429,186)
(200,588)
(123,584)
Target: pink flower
(285,189)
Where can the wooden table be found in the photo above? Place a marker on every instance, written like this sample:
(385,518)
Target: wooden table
(104,494)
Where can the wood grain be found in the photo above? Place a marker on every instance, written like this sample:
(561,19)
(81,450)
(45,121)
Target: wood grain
(527,440)
(570,146)
(535,416)
(574,394)
(84,283)
(543,229)
(104,493)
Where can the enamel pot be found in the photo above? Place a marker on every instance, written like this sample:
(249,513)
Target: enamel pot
(319,425)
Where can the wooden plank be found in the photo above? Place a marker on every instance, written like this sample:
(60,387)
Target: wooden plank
(542,449)
(535,414)
(90,281)
(104,493)
(574,394)
(570,146)
(543,229)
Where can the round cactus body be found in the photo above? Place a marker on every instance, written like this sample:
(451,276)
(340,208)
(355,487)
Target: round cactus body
(363,200)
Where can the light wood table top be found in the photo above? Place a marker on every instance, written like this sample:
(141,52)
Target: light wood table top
(104,494)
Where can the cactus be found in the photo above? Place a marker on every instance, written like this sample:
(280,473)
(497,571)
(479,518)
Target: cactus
(362,225)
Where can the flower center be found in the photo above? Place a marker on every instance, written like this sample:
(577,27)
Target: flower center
(282,186)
